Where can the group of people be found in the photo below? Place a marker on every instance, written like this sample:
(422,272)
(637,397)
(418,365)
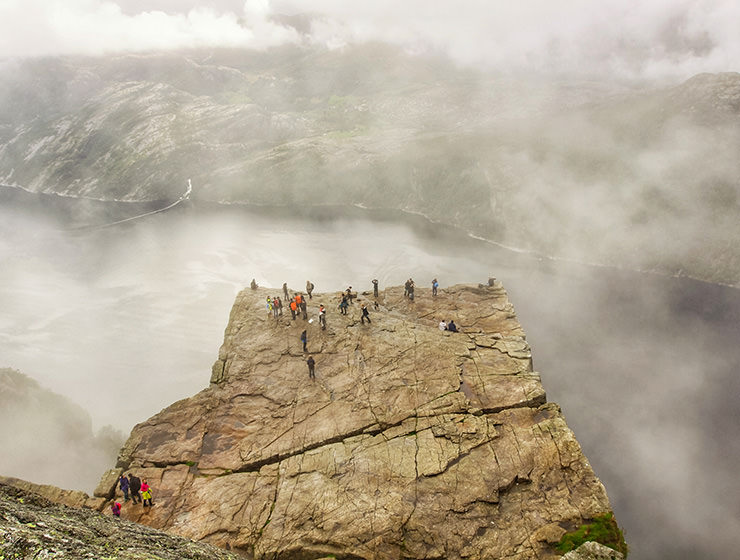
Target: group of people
(298,306)
(447,325)
(139,489)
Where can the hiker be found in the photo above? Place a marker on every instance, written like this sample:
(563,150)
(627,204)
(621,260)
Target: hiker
(304,339)
(123,483)
(343,305)
(442,325)
(135,485)
(451,326)
(309,289)
(253,285)
(376,305)
(411,289)
(304,308)
(146,493)
(435,285)
(116,509)
(279,306)
(285,291)
(406,288)
(275,307)
(293,307)
(269,306)
(375,287)
(311,364)
(365,315)
(322,317)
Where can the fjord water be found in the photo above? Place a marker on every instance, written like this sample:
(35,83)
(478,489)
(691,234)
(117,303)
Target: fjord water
(125,320)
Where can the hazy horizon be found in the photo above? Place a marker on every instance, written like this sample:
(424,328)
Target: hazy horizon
(657,40)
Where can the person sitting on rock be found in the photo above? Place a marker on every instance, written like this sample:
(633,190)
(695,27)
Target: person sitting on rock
(116,509)
(442,325)
(451,326)
(253,284)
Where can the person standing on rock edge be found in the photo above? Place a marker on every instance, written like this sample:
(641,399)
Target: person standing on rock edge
(304,340)
(309,288)
(435,285)
(375,287)
(311,364)
(123,482)
(135,485)
(365,315)
(253,284)
(285,291)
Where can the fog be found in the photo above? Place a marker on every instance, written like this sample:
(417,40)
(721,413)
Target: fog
(549,114)
(127,319)
(655,39)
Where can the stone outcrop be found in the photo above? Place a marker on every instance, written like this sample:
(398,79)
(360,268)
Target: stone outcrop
(32,526)
(70,498)
(411,442)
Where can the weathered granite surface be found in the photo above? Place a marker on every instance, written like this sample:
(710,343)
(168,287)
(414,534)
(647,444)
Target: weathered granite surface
(34,527)
(411,442)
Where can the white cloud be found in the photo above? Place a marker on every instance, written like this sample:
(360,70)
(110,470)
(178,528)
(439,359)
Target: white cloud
(654,38)
(40,27)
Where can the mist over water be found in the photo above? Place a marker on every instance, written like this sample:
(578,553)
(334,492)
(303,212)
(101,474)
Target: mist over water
(125,320)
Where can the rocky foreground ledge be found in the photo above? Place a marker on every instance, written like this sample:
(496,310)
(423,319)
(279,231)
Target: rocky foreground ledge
(411,443)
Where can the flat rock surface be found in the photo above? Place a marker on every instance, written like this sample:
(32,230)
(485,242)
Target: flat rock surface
(411,442)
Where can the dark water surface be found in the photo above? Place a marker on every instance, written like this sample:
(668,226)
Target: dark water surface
(125,320)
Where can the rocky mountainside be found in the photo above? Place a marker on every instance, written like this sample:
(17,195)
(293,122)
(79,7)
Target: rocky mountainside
(644,177)
(34,526)
(411,442)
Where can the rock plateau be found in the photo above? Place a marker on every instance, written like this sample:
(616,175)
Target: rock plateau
(411,442)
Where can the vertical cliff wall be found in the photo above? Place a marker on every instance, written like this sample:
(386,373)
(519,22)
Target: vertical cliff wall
(411,442)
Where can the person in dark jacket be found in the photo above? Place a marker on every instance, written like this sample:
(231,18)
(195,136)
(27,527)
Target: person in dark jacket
(451,326)
(311,365)
(365,315)
(304,339)
(123,483)
(375,287)
(135,485)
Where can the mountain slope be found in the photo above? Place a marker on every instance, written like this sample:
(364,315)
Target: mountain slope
(642,177)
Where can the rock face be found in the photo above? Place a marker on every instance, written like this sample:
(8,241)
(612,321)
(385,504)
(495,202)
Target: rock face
(32,526)
(411,442)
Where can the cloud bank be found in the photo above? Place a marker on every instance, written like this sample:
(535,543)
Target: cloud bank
(659,39)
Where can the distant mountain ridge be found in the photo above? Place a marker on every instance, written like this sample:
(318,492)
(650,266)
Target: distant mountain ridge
(636,177)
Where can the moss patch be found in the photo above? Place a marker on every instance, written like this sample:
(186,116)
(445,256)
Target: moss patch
(603,529)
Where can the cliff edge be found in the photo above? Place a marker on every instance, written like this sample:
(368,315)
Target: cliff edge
(411,442)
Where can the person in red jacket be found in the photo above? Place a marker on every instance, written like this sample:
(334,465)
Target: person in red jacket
(116,509)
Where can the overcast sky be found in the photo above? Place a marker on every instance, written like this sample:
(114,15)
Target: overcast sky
(670,39)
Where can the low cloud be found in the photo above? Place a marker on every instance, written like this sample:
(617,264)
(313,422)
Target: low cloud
(93,27)
(657,39)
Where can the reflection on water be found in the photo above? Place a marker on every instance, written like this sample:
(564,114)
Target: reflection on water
(127,319)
